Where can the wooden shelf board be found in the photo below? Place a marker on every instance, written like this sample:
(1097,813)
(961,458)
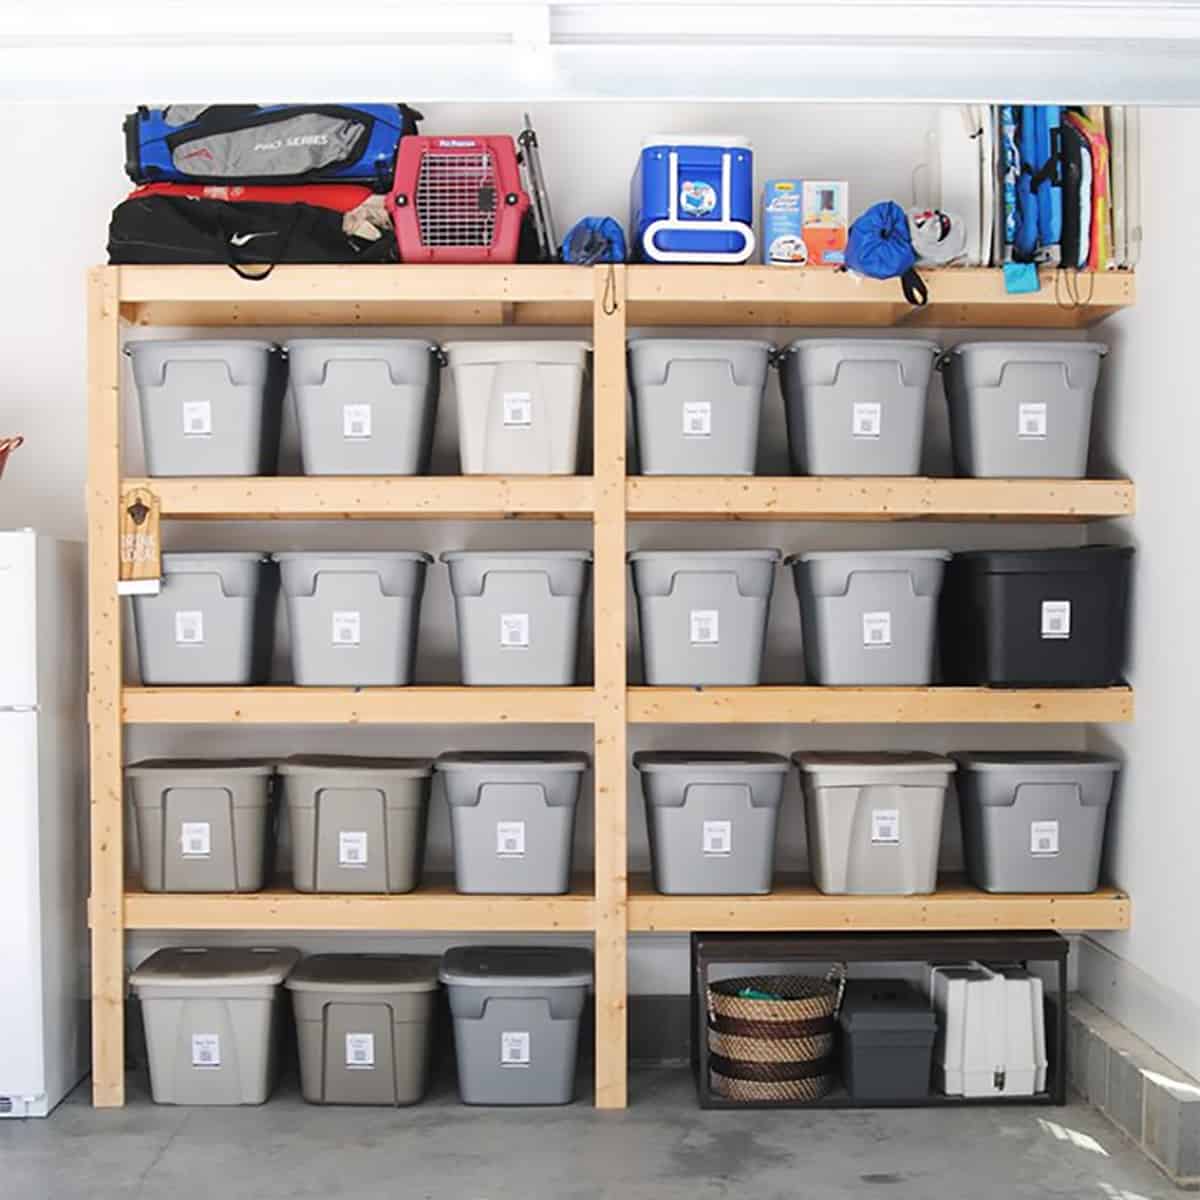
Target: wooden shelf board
(356,706)
(307,498)
(818,498)
(958,296)
(796,905)
(434,907)
(877,705)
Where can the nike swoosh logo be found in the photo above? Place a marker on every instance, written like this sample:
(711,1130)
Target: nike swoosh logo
(240,239)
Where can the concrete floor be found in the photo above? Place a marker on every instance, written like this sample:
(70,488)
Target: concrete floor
(663,1148)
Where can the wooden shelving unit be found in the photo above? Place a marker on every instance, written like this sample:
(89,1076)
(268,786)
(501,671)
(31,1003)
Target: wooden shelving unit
(608,302)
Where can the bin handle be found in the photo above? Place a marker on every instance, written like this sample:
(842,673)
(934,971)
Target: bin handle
(943,360)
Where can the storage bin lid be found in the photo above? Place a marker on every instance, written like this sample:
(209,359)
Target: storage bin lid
(723,555)
(147,767)
(1076,762)
(871,555)
(349,347)
(558,760)
(215,966)
(517,966)
(368,973)
(885,1005)
(350,556)
(1024,562)
(449,556)
(199,347)
(360,768)
(1033,351)
(898,763)
(180,562)
(751,762)
(849,345)
(717,140)
(701,347)
(466,354)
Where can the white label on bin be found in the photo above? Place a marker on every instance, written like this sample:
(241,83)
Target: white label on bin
(206,1049)
(704,627)
(885,827)
(195,839)
(189,629)
(718,839)
(1043,838)
(352,847)
(1056,619)
(1031,421)
(866,419)
(347,628)
(518,409)
(360,1051)
(510,839)
(514,631)
(697,418)
(877,628)
(197,418)
(356,421)
(514,1048)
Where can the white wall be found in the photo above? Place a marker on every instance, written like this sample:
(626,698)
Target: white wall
(1149,427)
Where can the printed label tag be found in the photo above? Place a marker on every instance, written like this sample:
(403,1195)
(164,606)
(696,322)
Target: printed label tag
(197,418)
(356,421)
(195,839)
(189,629)
(877,628)
(1031,421)
(206,1049)
(1056,619)
(885,827)
(718,839)
(518,409)
(510,839)
(704,627)
(697,418)
(352,848)
(1043,838)
(866,420)
(347,628)
(514,1048)
(514,630)
(360,1051)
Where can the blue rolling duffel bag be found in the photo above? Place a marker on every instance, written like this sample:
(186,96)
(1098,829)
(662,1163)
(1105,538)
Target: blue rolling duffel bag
(263,144)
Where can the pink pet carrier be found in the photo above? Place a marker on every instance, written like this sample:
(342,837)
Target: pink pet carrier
(457,199)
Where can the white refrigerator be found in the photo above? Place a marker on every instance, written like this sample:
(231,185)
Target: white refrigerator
(44,1020)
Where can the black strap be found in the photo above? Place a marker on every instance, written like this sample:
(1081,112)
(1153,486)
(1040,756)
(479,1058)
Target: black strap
(915,291)
(770,1072)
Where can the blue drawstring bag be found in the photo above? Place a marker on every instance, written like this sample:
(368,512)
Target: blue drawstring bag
(880,246)
(594,240)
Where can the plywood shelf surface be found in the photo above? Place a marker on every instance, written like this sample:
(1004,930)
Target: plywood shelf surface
(877,705)
(797,906)
(816,498)
(356,706)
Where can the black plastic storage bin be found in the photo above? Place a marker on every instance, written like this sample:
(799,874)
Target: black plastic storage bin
(1036,618)
(888,1030)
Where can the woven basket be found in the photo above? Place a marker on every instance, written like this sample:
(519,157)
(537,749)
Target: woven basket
(794,1091)
(804,998)
(768,1049)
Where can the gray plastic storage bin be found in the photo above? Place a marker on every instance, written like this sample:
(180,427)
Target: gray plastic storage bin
(888,1030)
(697,404)
(1021,408)
(869,616)
(364,1026)
(856,406)
(519,613)
(516,1016)
(1034,822)
(364,406)
(202,825)
(518,405)
(212,623)
(212,1022)
(512,819)
(357,824)
(209,407)
(353,615)
(702,614)
(712,816)
(874,821)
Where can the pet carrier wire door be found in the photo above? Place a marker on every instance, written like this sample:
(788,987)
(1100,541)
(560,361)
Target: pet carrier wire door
(457,200)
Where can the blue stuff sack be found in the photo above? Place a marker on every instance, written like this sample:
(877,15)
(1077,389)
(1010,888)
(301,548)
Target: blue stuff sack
(880,246)
(594,240)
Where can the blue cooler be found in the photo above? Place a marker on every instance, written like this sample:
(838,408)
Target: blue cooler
(692,199)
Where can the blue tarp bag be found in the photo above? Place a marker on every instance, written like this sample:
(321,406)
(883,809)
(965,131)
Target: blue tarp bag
(594,240)
(1039,185)
(880,246)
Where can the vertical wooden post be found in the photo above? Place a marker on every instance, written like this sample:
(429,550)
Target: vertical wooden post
(104,690)
(612,856)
